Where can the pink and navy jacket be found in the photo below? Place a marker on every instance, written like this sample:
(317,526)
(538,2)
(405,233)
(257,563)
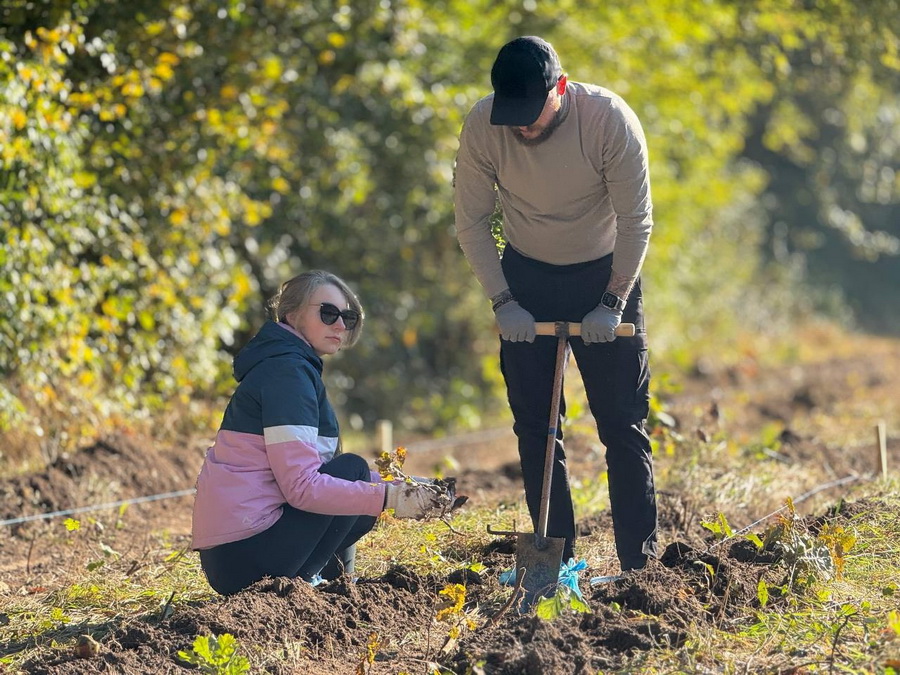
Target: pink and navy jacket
(278,429)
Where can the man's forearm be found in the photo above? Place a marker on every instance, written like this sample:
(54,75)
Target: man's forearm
(620,285)
(632,242)
(480,250)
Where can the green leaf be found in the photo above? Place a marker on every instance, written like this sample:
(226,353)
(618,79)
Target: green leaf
(555,606)
(203,647)
(107,550)
(762,593)
(893,622)
(216,655)
(705,565)
(578,605)
(550,608)
(726,528)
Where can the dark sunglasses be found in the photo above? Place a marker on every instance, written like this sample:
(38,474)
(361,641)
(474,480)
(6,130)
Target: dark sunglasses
(329,314)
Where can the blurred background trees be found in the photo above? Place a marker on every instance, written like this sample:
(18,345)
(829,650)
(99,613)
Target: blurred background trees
(164,165)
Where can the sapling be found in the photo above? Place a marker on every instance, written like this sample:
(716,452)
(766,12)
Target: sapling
(719,526)
(558,604)
(216,655)
(808,557)
(390,465)
(451,613)
(362,668)
(390,468)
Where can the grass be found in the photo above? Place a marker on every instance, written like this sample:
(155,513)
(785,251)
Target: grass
(845,624)
(838,625)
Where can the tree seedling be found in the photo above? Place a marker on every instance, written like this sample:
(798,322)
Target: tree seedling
(216,655)
(556,605)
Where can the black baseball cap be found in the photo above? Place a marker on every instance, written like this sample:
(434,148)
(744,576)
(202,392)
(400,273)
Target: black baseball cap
(525,70)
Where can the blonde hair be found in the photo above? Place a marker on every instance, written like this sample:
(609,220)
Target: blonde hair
(295,293)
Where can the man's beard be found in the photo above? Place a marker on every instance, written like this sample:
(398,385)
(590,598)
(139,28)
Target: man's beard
(543,136)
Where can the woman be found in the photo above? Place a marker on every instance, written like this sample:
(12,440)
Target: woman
(273,498)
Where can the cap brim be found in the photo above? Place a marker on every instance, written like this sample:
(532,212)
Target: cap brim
(516,111)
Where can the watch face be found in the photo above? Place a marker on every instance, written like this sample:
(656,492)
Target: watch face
(610,300)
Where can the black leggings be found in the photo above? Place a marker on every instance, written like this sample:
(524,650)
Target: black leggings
(616,379)
(299,544)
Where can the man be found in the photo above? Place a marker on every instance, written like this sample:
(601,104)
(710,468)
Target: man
(568,162)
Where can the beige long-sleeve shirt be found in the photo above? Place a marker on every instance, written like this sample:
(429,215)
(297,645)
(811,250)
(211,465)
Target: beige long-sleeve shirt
(581,194)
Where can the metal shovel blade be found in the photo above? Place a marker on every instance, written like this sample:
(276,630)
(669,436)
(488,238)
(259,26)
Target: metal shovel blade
(541,558)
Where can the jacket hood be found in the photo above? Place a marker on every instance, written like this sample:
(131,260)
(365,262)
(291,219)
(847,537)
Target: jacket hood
(273,341)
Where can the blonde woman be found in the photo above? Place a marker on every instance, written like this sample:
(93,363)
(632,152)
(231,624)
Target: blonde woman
(273,498)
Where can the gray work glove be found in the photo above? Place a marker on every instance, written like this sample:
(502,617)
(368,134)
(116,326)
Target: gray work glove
(599,325)
(516,324)
(418,501)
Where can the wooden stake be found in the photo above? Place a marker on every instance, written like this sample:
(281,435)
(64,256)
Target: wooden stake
(385,432)
(881,435)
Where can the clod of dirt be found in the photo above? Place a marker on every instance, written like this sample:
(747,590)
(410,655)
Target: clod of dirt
(466,577)
(602,522)
(657,591)
(529,646)
(574,644)
(745,551)
(840,513)
(727,586)
(86,647)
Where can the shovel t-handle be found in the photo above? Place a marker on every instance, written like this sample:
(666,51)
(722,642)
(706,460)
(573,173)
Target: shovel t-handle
(568,328)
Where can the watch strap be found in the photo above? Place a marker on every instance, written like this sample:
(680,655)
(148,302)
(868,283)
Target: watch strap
(501,299)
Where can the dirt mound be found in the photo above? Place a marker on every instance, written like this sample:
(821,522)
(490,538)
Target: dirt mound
(331,628)
(506,478)
(572,644)
(111,469)
(841,513)
(327,628)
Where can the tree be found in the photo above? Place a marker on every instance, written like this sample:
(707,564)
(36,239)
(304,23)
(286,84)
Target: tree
(164,165)
(828,139)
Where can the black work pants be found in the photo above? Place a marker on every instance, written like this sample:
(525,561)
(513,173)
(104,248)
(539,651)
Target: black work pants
(299,544)
(616,380)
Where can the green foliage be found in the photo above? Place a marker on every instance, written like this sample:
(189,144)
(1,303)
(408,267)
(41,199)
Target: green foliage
(107,234)
(165,165)
(827,137)
(768,443)
(564,600)
(809,558)
(762,593)
(719,526)
(893,622)
(217,655)
(590,495)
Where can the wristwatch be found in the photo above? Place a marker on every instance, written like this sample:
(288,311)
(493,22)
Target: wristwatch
(612,301)
(501,299)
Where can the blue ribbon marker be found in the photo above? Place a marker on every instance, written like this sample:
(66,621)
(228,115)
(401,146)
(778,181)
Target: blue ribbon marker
(568,575)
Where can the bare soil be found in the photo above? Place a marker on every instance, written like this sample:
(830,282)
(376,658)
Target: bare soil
(328,629)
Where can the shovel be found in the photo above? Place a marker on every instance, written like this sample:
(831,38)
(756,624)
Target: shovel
(538,557)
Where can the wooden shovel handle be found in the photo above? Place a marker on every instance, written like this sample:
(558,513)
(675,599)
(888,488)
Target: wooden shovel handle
(549,328)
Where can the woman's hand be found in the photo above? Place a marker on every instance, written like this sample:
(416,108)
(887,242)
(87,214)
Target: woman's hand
(419,501)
